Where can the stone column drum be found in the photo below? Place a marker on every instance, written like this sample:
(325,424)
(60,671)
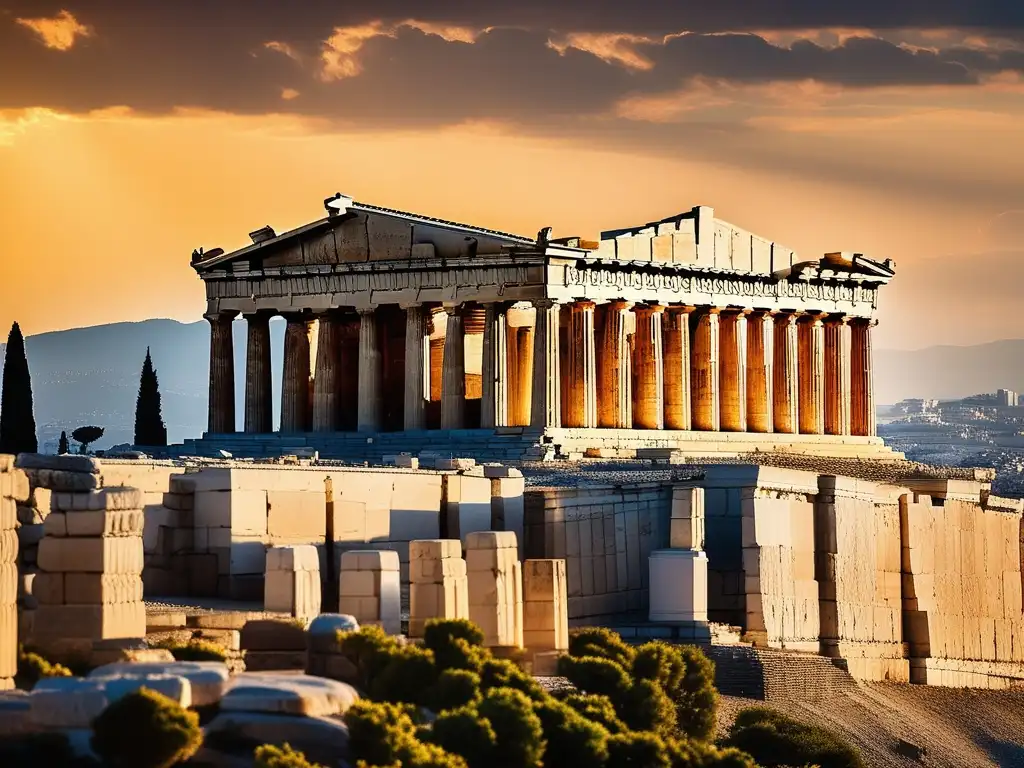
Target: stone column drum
(222,375)
(370,406)
(370,588)
(676,349)
(545,613)
(546,408)
(704,377)
(785,379)
(296,415)
(438,585)
(453,374)
(494,368)
(837,376)
(648,386)
(326,382)
(495,587)
(614,391)
(415,368)
(760,364)
(732,371)
(811,370)
(259,407)
(292,582)
(862,389)
(581,408)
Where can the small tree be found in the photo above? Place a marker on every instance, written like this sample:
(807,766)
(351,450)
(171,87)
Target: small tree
(85,436)
(63,447)
(17,422)
(145,729)
(149,423)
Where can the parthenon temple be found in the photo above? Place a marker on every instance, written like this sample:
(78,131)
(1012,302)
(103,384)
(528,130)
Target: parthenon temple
(685,334)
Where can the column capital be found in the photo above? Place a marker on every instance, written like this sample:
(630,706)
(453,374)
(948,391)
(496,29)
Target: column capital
(619,304)
(812,318)
(260,315)
(837,319)
(869,322)
(545,303)
(681,309)
(582,304)
(736,311)
(225,316)
(407,305)
(643,309)
(364,311)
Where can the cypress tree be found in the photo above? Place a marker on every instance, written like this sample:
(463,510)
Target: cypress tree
(17,422)
(63,446)
(149,424)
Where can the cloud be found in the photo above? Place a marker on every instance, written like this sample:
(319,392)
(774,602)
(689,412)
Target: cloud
(58,33)
(339,56)
(289,93)
(612,48)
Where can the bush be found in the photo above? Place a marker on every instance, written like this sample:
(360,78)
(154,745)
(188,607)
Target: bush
(601,643)
(592,674)
(570,736)
(370,650)
(637,750)
(698,754)
(32,668)
(773,739)
(466,733)
(597,709)
(518,729)
(454,688)
(382,734)
(407,677)
(645,707)
(456,644)
(194,650)
(146,729)
(696,699)
(270,756)
(502,673)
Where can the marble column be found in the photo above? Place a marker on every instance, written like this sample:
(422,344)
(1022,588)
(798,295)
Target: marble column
(862,386)
(326,381)
(837,376)
(648,386)
(545,406)
(295,405)
(494,378)
(581,408)
(785,375)
(259,408)
(614,390)
(414,415)
(760,356)
(453,373)
(732,371)
(520,368)
(676,348)
(811,369)
(704,372)
(370,405)
(221,413)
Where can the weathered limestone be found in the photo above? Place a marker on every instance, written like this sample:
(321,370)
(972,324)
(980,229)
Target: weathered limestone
(495,587)
(370,404)
(614,391)
(453,377)
(324,657)
(676,349)
(862,389)
(258,404)
(837,376)
(326,379)
(292,581)
(785,375)
(679,576)
(296,411)
(13,485)
(416,351)
(494,379)
(222,374)
(705,371)
(760,371)
(545,613)
(811,368)
(546,407)
(370,589)
(732,371)
(438,586)
(647,366)
(520,375)
(580,408)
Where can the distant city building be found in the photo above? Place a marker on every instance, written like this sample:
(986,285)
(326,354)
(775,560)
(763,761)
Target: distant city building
(1006,397)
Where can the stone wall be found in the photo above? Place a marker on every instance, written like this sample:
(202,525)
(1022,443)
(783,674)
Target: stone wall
(605,535)
(14,490)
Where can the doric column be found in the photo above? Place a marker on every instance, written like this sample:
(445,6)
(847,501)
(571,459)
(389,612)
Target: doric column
(494,368)
(581,408)
(326,382)
(786,387)
(732,371)
(648,387)
(677,368)
(614,390)
(259,408)
(811,334)
(221,407)
(520,379)
(704,373)
(760,355)
(370,405)
(295,405)
(862,384)
(546,407)
(837,376)
(453,372)
(415,368)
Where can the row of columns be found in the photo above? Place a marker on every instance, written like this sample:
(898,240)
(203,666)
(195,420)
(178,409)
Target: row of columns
(682,368)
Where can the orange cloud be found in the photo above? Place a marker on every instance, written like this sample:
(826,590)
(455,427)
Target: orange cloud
(289,93)
(613,48)
(284,48)
(58,33)
(450,32)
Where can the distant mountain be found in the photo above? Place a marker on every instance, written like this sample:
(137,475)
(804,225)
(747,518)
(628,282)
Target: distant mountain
(91,375)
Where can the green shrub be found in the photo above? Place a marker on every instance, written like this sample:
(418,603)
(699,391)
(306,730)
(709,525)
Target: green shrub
(637,750)
(502,673)
(570,736)
(598,709)
(518,729)
(697,754)
(662,663)
(32,668)
(592,674)
(270,756)
(466,733)
(145,729)
(407,677)
(696,699)
(194,650)
(454,688)
(773,739)
(376,729)
(369,649)
(456,644)
(602,643)
(646,707)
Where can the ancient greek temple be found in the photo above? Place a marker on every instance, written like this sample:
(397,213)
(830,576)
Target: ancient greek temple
(683,334)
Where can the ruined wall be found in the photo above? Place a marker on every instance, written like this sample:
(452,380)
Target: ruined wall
(605,535)
(14,489)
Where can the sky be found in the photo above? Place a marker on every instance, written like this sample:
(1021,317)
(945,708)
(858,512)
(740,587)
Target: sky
(133,132)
